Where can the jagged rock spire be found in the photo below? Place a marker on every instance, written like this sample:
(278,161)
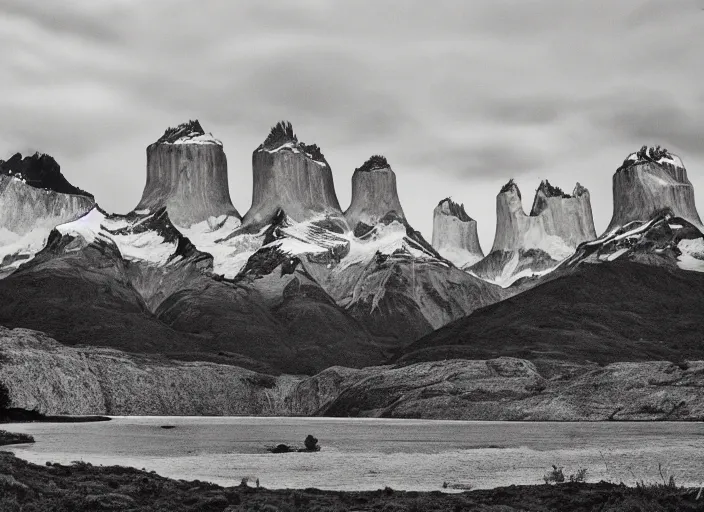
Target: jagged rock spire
(648,181)
(291,176)
(374,194)
(187,174)
(554,214)
(455,209)
(455,234)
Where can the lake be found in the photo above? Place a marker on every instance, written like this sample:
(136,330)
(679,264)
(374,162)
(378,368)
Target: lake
(368,454)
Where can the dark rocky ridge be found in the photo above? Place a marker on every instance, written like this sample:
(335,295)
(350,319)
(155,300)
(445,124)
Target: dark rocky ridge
(189,179)
(40,171)
(647,182)
(294,177)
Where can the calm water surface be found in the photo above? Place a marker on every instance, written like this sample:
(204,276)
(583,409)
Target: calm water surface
(368,454)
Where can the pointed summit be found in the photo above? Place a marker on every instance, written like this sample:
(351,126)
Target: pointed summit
(455,234)
(374,194)
(187,173)
(549,190)
(511,186)
(294,177)
(579,190)
(281,133)
(448,207)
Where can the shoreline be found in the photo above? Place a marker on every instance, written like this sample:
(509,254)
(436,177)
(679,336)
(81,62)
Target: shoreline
(18,415)
(83,486)
(59,418)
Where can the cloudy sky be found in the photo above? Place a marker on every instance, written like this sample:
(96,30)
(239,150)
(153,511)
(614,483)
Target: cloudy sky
(459,95)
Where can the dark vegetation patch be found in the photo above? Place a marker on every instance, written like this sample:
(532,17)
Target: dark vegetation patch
(40,171)
(83,487)
(7,438)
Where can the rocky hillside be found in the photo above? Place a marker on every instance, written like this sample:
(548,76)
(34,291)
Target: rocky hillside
(608,312)
(516,389)
(43,374)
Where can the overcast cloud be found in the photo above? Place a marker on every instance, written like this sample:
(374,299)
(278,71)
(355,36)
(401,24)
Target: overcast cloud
(459,95)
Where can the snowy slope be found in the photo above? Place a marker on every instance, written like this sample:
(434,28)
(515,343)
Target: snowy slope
(664,240)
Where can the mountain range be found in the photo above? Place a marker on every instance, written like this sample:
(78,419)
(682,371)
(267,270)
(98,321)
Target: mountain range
(299,286)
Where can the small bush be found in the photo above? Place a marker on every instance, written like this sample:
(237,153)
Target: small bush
(311,443)
(556,476)
(4,398)
(580,477)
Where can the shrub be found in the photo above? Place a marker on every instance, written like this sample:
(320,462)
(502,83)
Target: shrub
(580,477)
(311,443)
(4,397)
(556,476)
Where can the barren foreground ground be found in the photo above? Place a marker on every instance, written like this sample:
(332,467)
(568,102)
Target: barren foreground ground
(83,487)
